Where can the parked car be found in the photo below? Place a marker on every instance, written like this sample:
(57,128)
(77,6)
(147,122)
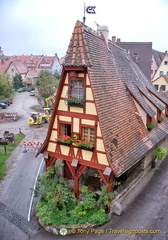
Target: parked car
(7,102)
(3,105)
(21,90)
(30,89)
(32,93)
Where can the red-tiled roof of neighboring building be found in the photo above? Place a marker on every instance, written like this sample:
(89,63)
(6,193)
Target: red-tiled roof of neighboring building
(34,73)
(22,68)
(47,62)
(32,61)
(3,66)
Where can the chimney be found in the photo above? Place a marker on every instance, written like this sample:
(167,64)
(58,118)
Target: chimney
(113,39)
(118,40)
(104,30)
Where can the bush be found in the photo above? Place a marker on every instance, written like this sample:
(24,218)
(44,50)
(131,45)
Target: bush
(58,204)
(160,152)
(5,155)
(151,126)
(160,120)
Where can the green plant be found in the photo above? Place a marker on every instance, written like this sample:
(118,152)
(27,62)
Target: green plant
(9,149)
(160,120)
(58,205)
(160,152)
(105,197)
(151,126)
(76,100)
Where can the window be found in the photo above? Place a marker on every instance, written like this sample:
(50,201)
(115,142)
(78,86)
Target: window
(156,86)
(161,73)
(65,129)
(163,88)
(88,134)
(167,74)
(77,89)
(165,62)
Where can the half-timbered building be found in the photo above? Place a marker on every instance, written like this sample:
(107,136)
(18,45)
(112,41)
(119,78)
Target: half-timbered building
(106,101)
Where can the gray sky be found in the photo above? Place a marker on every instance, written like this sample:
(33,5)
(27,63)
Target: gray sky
(45,26)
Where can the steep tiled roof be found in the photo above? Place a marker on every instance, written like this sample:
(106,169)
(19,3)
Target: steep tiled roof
(78,52)
(144,54)
(158,56)
(3,66)
(115,78)
(22,68)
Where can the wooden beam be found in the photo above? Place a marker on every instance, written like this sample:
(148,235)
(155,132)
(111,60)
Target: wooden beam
(76,187)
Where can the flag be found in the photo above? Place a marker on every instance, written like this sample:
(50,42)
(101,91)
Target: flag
(91,9)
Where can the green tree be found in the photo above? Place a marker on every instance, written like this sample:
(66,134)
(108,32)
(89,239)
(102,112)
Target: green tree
(46,84)
(5,88)
(57,76)
(17,81)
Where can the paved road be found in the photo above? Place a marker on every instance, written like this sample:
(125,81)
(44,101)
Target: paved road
(149,211)
(15,189)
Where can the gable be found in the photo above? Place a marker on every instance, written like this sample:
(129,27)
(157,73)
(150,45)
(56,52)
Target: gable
(77,118)
(163,68)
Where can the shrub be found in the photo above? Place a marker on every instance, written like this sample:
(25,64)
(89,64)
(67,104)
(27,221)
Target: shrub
(160,120)
(160,152)
(151,126)
(58,205)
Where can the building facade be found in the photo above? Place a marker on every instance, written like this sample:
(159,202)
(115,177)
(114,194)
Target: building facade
(103,107)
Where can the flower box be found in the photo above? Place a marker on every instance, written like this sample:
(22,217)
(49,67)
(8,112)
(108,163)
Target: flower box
(62,143)
(75,102)
(64,140)
(86,148)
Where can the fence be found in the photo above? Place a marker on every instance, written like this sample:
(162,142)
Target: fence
(31,146)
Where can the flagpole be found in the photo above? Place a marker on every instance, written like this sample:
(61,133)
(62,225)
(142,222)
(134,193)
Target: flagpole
(84,18)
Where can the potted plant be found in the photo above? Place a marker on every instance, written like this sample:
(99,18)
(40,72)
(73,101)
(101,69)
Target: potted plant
(85,144)
(151,126)
(64,140)
(75,102)
(160,120)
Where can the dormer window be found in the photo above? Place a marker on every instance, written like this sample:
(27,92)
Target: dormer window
(76,90)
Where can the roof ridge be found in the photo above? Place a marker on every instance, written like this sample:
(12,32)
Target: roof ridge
(78,49)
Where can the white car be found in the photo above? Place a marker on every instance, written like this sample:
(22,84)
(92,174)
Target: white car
(32,93)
